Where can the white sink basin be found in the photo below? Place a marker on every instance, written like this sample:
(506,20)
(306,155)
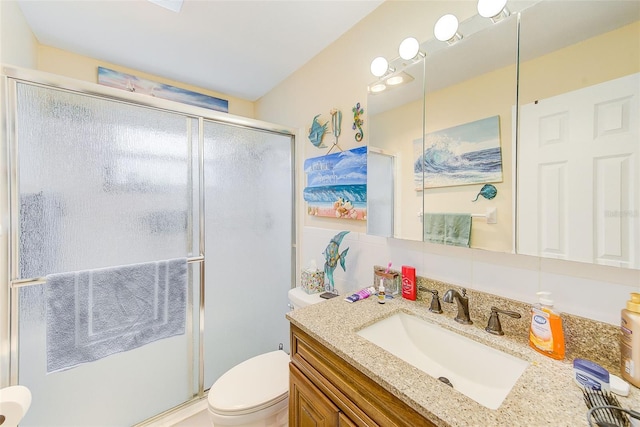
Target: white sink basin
(480,372)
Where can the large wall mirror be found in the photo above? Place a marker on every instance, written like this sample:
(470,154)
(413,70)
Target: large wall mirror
(572,68)
(579,140)
(448,133)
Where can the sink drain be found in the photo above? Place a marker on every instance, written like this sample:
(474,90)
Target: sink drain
(446,381)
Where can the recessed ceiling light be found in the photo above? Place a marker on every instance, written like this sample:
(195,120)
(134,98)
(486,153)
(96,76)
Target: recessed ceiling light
(172,5)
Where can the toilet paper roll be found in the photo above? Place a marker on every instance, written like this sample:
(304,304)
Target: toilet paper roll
(14,404)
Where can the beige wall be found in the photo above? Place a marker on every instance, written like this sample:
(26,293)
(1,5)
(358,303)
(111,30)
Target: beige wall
(84,68)
(17,43)
(338,78)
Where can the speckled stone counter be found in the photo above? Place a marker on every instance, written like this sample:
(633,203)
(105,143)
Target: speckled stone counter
(545,393)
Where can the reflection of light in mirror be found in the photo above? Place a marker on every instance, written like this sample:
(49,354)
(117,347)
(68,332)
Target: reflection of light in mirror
(494,9)
(446,29)
(398,79)
(377,88)
(395,80)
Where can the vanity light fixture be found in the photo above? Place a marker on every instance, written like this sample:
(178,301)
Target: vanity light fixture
(446,29)
(409,49)
(496,10)
(380,67)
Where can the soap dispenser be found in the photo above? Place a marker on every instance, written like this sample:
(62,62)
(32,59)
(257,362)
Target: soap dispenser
(545,334)
(630,340)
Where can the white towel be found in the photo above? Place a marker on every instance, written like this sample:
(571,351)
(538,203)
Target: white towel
(94,313)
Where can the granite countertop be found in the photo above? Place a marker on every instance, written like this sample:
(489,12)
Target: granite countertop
(545,394)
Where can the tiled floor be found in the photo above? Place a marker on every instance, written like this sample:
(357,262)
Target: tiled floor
(201,419)
(194,415)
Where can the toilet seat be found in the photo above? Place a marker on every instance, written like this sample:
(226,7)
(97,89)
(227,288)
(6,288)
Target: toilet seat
(251,386)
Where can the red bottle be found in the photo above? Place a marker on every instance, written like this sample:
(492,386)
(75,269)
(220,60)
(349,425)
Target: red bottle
(409,283)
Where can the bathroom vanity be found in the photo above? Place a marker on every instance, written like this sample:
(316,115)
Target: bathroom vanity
(339,378)
(325,390)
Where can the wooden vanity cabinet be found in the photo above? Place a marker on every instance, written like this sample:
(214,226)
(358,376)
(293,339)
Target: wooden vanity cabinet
(326,391)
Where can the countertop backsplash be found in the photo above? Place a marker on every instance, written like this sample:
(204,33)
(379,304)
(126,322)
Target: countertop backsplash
(584,338)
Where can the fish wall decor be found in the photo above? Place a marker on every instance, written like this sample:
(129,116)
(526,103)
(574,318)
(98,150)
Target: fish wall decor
(317,131)
(332,255)
(487,191)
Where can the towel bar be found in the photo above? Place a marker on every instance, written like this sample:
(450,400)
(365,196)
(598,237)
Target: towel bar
(41,280)
(490,215)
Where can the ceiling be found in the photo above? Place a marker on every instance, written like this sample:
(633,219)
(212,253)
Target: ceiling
(240,48)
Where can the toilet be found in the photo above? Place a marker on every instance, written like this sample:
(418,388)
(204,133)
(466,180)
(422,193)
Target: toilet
(255,393)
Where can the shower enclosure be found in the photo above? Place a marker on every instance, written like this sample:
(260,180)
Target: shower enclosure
(99,177)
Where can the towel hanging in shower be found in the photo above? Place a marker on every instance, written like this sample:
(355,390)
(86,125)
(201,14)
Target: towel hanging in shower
(91,314)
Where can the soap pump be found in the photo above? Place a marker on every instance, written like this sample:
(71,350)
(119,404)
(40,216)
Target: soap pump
(545,334)
(630,340)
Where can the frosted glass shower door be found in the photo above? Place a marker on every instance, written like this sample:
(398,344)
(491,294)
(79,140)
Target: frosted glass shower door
(248,244)
(100,183)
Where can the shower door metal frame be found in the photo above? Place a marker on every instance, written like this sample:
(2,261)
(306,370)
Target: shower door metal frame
(8,86)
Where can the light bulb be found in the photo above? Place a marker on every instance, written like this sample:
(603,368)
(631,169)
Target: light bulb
(409,48)
(494,9)
(379,66)
(446,28)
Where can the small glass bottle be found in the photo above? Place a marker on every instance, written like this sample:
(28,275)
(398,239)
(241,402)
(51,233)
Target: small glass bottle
(381,293)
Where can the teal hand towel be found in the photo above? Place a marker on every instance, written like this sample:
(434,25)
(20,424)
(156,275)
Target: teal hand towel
(447,229)
(434,228)
(457,229)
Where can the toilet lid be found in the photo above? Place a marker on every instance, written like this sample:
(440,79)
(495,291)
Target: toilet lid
(254,384)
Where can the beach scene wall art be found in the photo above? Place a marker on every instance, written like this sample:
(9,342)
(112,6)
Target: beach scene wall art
(135,84)
(337,185)
(465,154)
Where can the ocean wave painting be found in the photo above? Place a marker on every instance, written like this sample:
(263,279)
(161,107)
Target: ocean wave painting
(461,155)
(132,83)
(337,184)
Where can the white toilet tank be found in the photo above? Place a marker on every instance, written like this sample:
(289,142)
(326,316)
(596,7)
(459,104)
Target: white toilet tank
(299,298)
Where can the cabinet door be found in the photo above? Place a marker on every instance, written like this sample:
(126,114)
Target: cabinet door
(308,406)
(344,421)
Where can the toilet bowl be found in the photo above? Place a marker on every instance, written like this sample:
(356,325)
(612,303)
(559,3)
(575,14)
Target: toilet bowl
(255,393)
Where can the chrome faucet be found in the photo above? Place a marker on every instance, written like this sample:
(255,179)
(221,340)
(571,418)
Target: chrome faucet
(463,305)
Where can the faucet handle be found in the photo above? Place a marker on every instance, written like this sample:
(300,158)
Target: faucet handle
(435,300)
(494,327)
